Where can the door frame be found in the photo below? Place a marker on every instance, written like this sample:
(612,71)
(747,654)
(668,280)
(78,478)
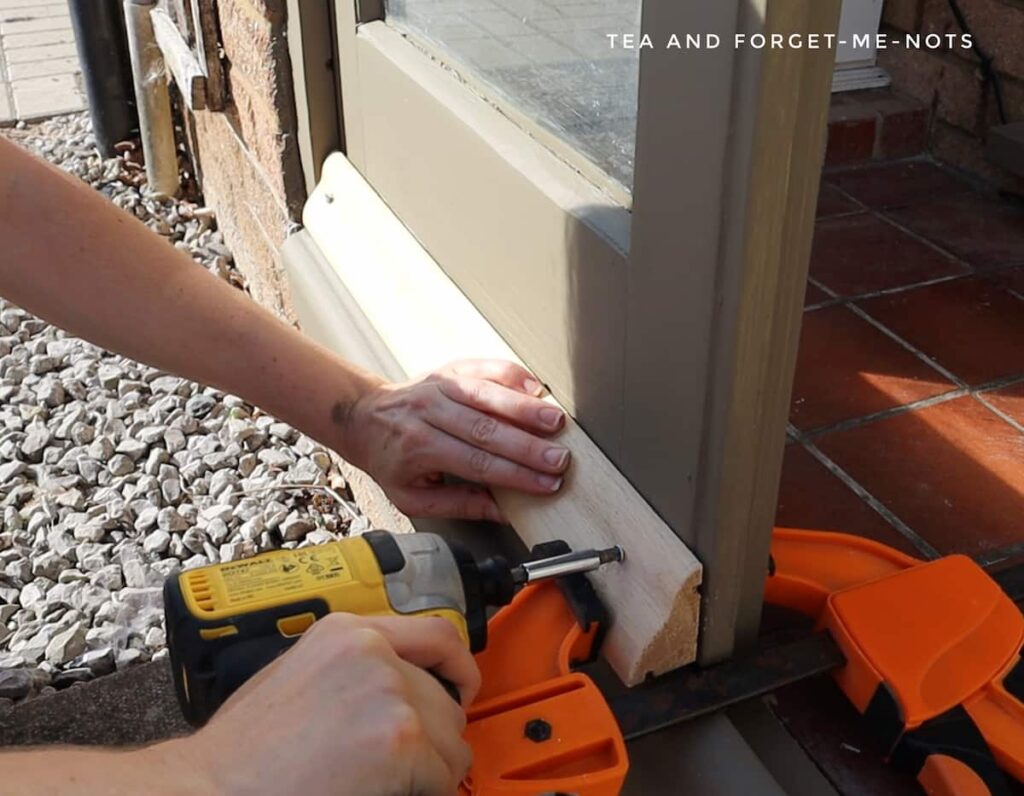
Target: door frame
(705,352)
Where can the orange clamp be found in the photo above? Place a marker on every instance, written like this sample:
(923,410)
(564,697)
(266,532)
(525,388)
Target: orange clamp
(538,727)
(922,640)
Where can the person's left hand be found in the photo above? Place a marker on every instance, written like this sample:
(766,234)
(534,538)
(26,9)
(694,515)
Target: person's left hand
(481,420)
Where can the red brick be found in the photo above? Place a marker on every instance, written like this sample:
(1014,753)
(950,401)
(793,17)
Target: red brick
(902,14)
(851,132)
(263,104)
(960,95)
(904,134)
(958,148)
(913,72)
(996,25)
(253,221)
(273,11)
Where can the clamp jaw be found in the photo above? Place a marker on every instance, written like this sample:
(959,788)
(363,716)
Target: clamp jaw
(933,653)
(537,726)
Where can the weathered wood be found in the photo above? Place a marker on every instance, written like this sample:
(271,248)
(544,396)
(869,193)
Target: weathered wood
(426,321)
(180,60)
(310,49)
(207,48)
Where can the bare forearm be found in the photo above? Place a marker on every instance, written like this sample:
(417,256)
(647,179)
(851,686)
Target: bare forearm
(75,260)
(167,768)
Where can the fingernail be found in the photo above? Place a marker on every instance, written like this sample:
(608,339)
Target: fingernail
(549,482)
(532,386)
(556,457)
(551,417)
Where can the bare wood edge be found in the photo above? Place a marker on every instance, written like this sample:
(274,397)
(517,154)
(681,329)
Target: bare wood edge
(653,596)
(181,62)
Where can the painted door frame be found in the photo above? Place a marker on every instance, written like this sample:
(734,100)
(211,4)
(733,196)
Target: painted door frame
(685,385)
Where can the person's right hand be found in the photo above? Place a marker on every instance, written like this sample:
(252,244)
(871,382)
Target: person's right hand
(351,710)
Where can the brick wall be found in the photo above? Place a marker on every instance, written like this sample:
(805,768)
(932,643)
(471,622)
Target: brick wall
(951,81)
(247,155)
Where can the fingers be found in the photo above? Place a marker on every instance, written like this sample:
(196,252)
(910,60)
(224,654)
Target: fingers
(507,441)
(456,457)
(491,398)
(500,371)
(433,644)
(457,501)
(443,720)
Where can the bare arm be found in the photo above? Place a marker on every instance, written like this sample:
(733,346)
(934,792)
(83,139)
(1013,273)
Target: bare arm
(72,258)
(348,711)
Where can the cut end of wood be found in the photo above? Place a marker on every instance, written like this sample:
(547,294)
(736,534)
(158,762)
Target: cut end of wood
(674,645)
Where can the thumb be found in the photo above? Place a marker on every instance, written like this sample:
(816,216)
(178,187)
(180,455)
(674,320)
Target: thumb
(453,501)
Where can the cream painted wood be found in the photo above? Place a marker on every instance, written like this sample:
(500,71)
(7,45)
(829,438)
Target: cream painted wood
(426,321)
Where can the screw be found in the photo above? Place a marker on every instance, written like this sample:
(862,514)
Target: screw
(537,730)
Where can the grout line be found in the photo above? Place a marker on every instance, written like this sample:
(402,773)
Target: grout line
(897,339)
(823,287)
(929,243)
(997,556)
(923,403)
(979,396)
(889,291)
(880,508)
(883,414)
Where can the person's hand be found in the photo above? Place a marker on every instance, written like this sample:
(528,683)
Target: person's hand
(351,710)
(480,420)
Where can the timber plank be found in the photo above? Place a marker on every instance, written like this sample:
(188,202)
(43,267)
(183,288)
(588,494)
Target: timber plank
(426,322)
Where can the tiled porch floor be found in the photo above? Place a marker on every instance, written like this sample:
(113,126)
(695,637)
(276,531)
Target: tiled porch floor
(907,419)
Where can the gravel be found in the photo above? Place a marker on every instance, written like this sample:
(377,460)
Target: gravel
(114,475)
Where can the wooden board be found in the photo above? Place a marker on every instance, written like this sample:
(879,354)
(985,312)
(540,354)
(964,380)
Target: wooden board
(426,321)
(180,60)
(207,48)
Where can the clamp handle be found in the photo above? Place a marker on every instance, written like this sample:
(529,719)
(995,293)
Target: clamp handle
(942,775)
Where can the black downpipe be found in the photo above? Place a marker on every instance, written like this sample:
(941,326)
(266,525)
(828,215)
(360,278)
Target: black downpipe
(106,70)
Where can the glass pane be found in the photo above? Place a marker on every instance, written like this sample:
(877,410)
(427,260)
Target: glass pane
(550,60)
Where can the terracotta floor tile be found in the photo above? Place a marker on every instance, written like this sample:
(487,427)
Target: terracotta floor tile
(1012,279)
(972,327)
(815,295)
(898,184)
(831,202)
(812,497)
(985,232)
(1009,400)
(952,472)
(846,368)
(853,255)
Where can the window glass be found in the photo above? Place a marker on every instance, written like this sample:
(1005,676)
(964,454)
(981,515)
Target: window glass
(552,60)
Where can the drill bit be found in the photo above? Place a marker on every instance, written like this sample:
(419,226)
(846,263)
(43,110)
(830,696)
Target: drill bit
(567,564)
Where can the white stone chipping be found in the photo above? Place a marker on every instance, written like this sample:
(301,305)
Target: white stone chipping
(114,475)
